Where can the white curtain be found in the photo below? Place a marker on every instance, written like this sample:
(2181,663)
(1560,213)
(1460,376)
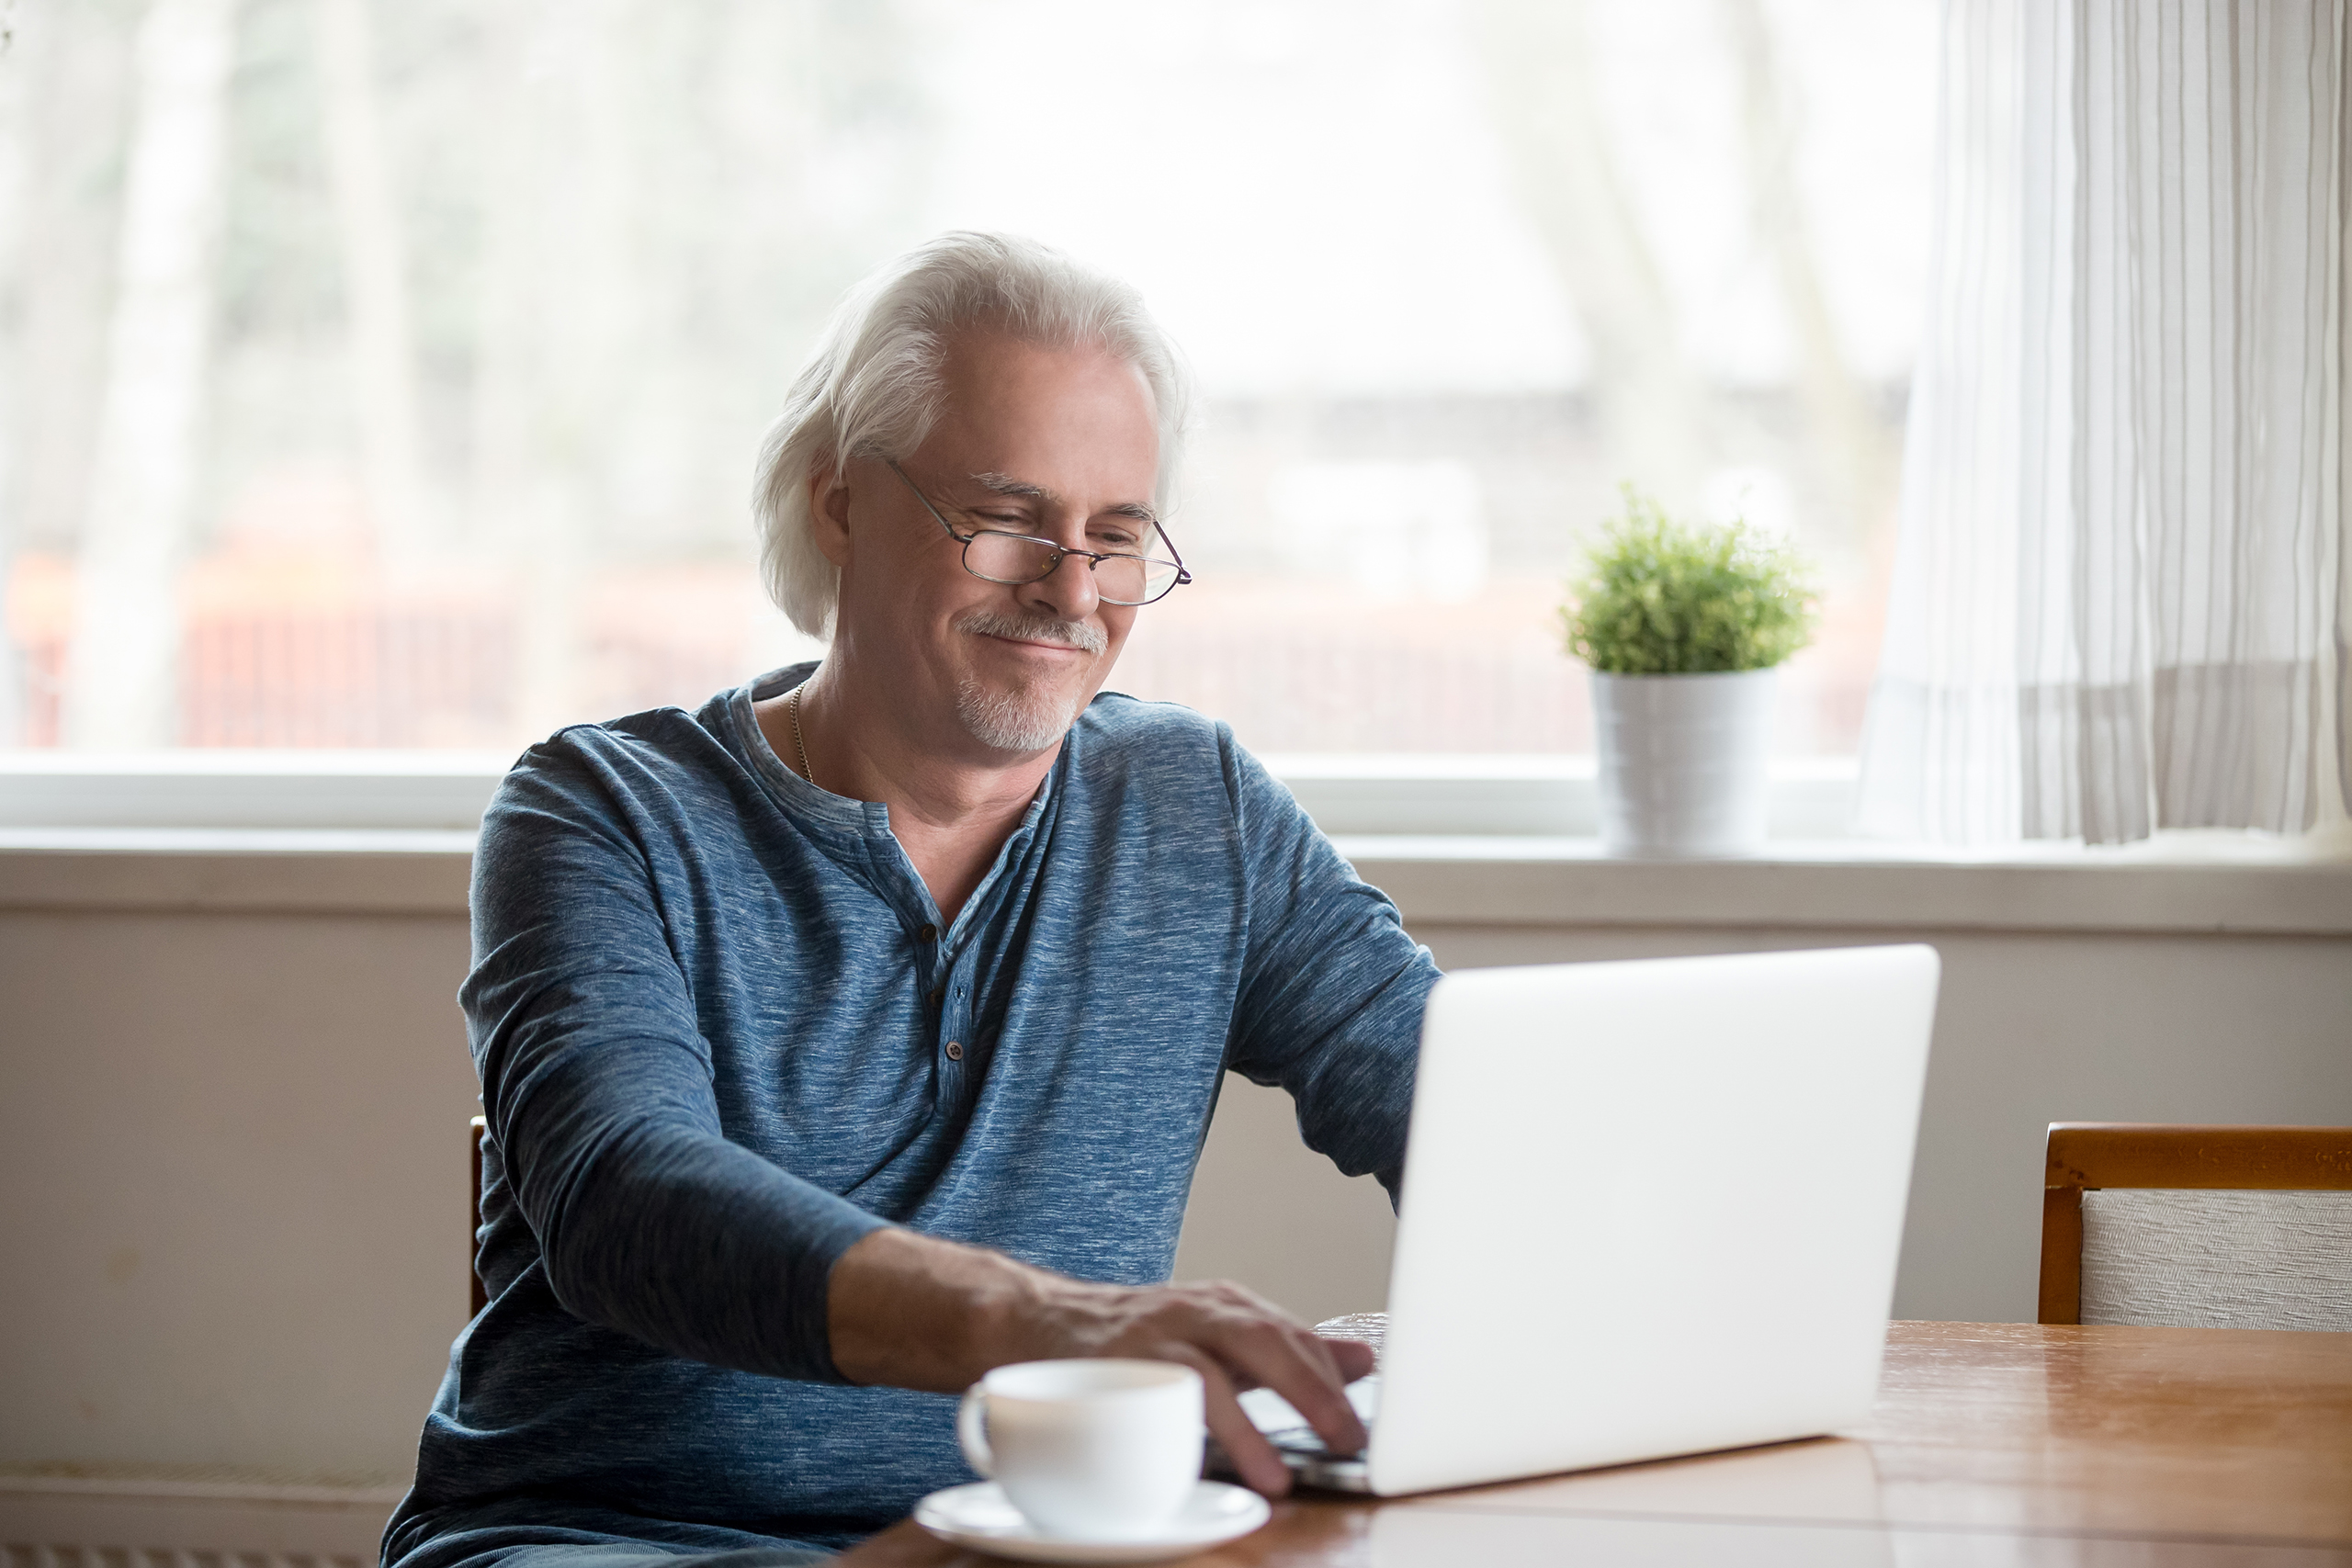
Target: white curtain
(2122,591)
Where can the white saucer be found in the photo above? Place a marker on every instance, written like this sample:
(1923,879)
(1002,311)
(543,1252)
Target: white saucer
(980,1517)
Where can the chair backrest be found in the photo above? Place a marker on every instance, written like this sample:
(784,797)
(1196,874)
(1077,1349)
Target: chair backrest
(2214,1227)
(477,1134)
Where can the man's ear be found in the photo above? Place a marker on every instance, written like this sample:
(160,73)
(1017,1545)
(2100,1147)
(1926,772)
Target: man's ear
(829,512)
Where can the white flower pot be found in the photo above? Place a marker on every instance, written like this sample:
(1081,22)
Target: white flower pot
(1682,761)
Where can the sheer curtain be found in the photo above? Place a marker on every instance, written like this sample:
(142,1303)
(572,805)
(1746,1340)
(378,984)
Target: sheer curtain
(2122,592)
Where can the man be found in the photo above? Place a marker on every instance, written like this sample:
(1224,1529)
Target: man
(858,1033)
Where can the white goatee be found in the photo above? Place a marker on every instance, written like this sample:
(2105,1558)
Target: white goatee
(1034,715)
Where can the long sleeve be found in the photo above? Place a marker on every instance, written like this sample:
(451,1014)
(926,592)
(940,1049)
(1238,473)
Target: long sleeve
(599,1092)
(1332,989)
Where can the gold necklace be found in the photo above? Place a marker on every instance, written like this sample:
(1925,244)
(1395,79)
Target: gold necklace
(797,744)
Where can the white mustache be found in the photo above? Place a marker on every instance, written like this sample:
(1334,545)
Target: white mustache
(1032,628)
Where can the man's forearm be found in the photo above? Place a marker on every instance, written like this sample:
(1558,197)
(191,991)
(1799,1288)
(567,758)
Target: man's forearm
(674,1235)
(915,1311)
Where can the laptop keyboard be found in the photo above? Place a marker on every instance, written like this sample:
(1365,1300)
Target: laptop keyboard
(1284,1428)
(1303,1442)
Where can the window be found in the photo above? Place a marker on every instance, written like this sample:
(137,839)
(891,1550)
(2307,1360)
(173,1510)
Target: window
(389,375)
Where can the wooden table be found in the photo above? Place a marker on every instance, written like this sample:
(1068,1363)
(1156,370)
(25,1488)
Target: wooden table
(1992,1443)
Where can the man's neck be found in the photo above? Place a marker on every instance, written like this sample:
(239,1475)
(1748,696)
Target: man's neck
(951,806)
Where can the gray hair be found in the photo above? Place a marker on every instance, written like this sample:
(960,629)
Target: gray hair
(872,388)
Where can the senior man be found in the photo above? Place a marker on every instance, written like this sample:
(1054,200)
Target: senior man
(858,1031)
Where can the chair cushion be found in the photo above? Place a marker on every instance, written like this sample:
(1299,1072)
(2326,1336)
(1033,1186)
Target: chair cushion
(2218,1259)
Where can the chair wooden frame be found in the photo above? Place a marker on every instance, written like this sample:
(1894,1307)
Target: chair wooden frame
(477,1134)
(2088,1156)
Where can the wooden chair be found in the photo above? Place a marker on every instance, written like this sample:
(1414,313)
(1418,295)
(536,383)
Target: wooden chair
(2245,1227)
(477,1134)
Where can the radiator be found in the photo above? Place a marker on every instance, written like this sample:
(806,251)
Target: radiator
(186,1517)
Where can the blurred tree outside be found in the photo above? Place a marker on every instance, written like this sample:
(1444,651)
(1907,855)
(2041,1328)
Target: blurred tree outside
(1652,411)
(145,460)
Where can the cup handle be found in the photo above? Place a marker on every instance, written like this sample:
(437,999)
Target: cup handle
(971,1430)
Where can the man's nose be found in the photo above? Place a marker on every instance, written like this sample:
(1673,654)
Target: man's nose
(1067,592)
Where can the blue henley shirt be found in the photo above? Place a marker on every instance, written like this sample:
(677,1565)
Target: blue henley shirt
(723,1032)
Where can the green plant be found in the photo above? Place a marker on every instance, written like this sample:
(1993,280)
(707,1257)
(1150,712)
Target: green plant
(1660,597)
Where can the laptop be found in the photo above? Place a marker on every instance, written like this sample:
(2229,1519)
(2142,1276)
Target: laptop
(1651,1208)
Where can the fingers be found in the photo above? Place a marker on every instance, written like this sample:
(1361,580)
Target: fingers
(1261,1469)
(1303,1368)
(1355,1357)
(1235,1339)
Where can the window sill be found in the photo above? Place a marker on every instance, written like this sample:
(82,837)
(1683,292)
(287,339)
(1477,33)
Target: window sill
(1533,794)
(1455,840)
(236,870)
(2189,883)
(2215,884)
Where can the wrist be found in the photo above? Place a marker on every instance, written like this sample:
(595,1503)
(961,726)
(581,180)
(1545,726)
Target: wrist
(911,1311)
(1005,1305)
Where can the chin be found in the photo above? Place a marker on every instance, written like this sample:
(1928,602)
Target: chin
(1026,719)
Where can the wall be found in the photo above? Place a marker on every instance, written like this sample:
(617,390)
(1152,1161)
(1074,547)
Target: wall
(240,1137)
(232,1092)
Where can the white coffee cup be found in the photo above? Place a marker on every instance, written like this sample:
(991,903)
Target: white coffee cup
(1091,1450)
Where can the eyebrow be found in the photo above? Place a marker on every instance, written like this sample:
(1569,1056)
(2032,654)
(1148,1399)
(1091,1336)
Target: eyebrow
(1005,484)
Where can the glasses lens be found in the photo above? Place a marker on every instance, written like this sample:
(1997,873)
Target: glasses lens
(1122,579)
(1133,580)
(1008,558)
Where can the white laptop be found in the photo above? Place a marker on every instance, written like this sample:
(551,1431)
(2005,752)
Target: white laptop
(1651,1208)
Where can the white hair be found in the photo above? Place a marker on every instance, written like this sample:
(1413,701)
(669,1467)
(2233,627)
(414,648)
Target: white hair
(872,388)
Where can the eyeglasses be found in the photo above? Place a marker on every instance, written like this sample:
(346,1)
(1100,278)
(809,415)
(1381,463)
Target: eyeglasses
(1120,577)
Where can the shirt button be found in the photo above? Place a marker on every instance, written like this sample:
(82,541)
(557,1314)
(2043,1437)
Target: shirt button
(927,933)
(954,1050)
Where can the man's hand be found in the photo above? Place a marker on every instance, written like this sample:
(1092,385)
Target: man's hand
(915,1312)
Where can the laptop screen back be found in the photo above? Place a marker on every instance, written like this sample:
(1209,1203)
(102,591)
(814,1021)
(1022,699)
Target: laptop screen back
(1650,1208)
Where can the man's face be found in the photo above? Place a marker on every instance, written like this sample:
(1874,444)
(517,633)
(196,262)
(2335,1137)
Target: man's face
(1054,444)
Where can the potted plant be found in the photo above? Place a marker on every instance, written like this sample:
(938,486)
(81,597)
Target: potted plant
(1683,625)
